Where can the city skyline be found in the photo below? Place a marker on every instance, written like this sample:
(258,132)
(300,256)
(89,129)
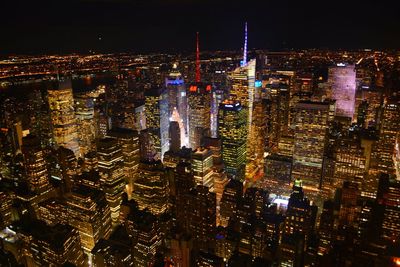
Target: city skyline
(200,156)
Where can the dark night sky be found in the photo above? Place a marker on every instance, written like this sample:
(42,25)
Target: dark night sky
(63,26)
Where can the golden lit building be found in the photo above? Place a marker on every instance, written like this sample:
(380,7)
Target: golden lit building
(232,129)
(311,124)
(151,187)
(61,103)
(111,169)
(202,163)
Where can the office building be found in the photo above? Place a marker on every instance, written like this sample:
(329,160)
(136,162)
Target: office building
(311,125)
(61,103)
(152,188)
(111,169)
(232,129)
(202,165)
(342,79)
(157,121)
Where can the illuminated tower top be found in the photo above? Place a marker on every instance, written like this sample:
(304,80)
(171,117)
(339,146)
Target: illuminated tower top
(244,62)
(197,58)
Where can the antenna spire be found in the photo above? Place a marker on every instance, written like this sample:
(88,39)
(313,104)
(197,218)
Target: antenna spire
(244,62)
(197,58)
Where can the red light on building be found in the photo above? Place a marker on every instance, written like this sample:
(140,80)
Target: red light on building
(208,87)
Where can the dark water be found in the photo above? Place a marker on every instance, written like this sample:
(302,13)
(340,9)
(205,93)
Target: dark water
(82,84)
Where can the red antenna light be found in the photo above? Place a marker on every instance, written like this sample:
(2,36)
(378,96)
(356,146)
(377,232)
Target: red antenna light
(197,58)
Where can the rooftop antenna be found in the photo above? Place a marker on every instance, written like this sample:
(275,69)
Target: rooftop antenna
(197,58)
(244,62)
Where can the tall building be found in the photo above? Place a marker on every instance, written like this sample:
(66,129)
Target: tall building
(145,231)
(177,100)
(202,163)
(389,131)
(6,202)
(342,79)
(229,204)
(111,169)
(157,122)
(388,210)
(199,107)
(243,87)
(84,113)
(299,224)
(199,102)
(35,165)
(89,213)
(129,142)
(350,162)
(311,125)
(61,103)
(152,187)
(232,129)
(197,213)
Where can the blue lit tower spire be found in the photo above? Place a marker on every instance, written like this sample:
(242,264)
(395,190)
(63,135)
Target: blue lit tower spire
(244,62)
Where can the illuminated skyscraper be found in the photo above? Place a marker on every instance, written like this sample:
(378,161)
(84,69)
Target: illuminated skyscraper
(129,142)
(342,79)
(350,162)
(243,87)
(35,165)
(388,210)
(61,103)
(311,123)
(202,163)
(111,168)
(146,228)
(151,187)
(177,99)
(84,112)
(232,129)
(89,213)
(157,122)
(5,209)
(199,101)
(389,131)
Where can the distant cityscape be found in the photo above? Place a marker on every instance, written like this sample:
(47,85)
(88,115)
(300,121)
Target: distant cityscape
(215,158)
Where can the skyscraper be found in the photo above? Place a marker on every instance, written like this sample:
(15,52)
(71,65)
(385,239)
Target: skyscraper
(177,102)
(202,163)
(199,99)
(61,103)
(35,165)
(84,112)
(311,123)
(199,103)
(387,137)
(232,129)
(243,87)
(342,79)
(88,212)
(157,123)
(129,142)
(151,187)
(111,169)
